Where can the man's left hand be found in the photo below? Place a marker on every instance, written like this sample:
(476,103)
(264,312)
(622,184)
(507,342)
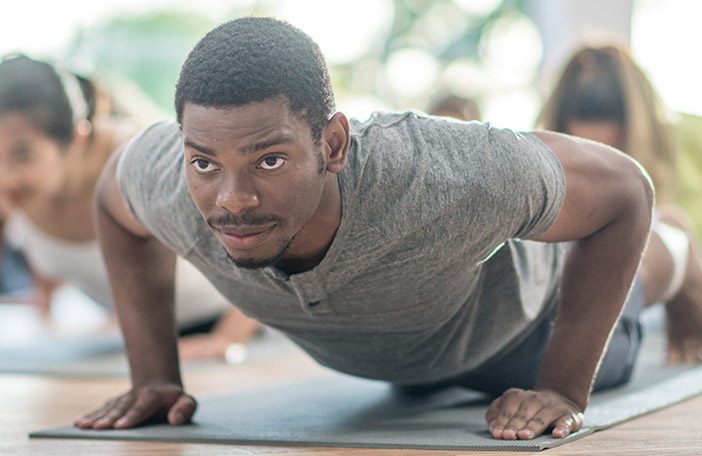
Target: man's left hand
(526,414)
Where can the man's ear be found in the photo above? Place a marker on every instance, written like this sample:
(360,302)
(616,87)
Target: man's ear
(336,139)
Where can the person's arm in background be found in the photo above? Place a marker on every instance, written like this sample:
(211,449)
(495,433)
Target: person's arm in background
(232,328)
(607,212)
(141,272)
(43,291)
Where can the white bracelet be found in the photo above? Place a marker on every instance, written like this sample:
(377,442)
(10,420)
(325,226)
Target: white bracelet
(236,353)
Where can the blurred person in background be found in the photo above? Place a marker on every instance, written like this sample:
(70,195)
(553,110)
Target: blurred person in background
(604,96)
(57,130)
(15,278)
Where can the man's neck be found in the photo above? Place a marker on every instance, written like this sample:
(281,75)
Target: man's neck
(318,234)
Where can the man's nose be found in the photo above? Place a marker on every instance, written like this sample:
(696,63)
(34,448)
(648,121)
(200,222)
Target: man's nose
(237,194)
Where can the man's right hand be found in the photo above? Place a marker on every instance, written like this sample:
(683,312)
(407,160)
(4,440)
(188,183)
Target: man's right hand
(161,403)
(142,275)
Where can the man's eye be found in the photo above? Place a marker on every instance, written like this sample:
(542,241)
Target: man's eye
(270,163)
(202,165)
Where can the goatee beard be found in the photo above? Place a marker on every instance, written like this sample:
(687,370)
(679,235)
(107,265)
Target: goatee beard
(257,263)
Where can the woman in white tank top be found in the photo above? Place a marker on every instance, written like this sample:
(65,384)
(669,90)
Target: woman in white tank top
(56,134)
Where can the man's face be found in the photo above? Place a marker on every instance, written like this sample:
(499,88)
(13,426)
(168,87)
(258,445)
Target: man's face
(255,174)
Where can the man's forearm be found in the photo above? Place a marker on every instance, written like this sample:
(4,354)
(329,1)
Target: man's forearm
(141,272)
(606,214)
(597,277)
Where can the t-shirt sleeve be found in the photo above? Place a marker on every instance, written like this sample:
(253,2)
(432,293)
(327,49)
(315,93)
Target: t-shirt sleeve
(469,185)
(130,184)
(150,178)
(144,169)
(527,181)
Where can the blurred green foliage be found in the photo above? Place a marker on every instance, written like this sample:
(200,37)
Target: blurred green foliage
(147,50)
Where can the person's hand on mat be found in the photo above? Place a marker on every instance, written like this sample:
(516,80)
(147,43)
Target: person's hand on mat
(162,403)
(684,330)
(526,414)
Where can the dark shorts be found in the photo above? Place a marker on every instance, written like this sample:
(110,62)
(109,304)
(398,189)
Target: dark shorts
(519,367)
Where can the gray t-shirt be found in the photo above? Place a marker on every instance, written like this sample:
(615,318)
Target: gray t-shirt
(424,279)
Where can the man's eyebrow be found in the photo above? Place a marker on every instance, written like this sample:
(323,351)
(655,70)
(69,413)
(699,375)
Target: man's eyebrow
(201,149)
(278,140)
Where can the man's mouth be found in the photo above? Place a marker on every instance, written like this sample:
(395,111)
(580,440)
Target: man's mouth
(241,237)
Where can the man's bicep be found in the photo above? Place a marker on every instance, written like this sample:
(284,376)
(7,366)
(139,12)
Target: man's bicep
(600,182)
(110,203)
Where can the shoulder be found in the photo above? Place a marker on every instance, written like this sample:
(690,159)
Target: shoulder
(159,138)
(393,150)
(151,153)
(406,139)
(412,126)
(410,171)
(151,179)
(425,163)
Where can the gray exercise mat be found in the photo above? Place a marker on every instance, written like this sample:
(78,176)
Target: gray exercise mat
(342,411)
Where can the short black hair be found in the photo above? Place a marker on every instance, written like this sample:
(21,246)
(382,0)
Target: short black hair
(35,89)
(254,59)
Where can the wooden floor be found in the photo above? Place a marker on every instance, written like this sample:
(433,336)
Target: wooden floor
(31,402)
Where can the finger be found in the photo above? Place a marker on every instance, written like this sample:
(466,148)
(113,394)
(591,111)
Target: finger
(183,410)
(86,421)
(538,423)
(493,410)
(531,404)
(567,424)
(144,407)
(509,404)
(114,412)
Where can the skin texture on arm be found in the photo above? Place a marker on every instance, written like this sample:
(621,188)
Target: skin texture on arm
(607,213)
(141,272)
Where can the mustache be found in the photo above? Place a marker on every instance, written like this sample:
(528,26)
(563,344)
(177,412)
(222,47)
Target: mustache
(241,220)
